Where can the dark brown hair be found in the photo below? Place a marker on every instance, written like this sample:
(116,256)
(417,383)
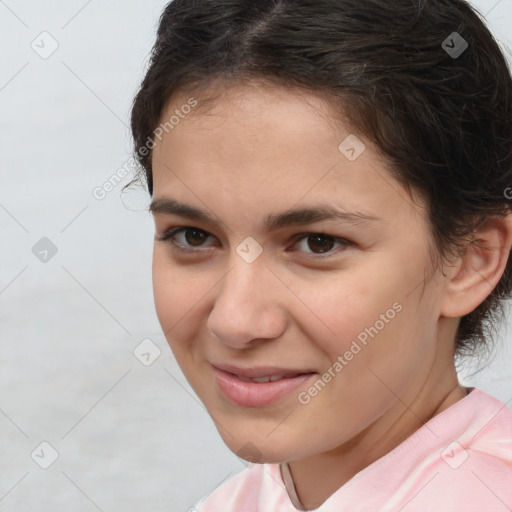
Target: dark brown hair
(443,121)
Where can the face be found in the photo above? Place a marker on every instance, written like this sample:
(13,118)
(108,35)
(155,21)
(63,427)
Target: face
(337,304)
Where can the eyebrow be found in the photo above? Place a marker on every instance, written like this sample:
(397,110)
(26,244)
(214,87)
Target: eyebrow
(273,222)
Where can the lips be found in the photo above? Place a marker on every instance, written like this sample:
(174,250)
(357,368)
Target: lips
(257,372)
(258,386)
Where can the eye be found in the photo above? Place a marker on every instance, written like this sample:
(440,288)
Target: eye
(320,242)
(190,239)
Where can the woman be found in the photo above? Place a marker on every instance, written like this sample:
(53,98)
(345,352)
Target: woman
(332,230)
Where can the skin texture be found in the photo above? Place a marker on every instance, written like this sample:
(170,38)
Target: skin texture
(259,151)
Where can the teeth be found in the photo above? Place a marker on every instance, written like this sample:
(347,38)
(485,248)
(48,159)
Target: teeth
(271,378)
(261,379)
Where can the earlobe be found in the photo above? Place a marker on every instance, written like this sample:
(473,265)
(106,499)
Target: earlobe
(479,270)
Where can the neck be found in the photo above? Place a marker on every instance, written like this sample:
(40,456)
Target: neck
(317,477)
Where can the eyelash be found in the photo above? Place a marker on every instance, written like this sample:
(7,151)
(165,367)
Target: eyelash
(169,238)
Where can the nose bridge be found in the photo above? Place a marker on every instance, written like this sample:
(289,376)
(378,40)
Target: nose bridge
(245,306)
(241,290)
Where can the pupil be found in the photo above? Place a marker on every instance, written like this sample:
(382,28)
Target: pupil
(198,238)
(322,243)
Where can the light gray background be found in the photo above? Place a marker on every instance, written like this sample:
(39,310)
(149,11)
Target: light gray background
(129,437)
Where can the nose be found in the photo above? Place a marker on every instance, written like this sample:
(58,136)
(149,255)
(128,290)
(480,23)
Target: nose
(248,307)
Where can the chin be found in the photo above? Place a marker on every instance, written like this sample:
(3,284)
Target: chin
(261,452)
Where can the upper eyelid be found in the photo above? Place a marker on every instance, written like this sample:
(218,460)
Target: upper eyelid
(295,238)
(177,229)
(173,231)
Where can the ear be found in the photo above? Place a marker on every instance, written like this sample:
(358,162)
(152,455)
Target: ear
(476,274)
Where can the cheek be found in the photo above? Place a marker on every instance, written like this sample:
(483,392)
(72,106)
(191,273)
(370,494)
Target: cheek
(350,304)
(177,294)
(377,354)
(372,323)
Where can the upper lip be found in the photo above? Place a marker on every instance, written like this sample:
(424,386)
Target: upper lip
(259,371)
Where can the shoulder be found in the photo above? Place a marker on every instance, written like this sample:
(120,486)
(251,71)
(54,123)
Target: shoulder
(490,431)
(474,467)
(244,491)
(489,443)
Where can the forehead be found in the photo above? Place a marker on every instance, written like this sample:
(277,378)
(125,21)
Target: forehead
(258,102)
(261,121)
(269,144)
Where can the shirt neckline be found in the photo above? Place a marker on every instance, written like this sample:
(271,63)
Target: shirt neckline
(286,475)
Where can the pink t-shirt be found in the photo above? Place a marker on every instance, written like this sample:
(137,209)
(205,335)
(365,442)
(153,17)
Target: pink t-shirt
(459,461)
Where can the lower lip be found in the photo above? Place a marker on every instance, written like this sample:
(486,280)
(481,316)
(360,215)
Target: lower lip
(256,394)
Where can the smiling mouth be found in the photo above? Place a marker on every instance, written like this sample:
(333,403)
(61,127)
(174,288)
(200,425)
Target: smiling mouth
(261,390)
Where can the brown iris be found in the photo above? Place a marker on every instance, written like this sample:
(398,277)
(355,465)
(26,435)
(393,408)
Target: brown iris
(199,237)
(321,242)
